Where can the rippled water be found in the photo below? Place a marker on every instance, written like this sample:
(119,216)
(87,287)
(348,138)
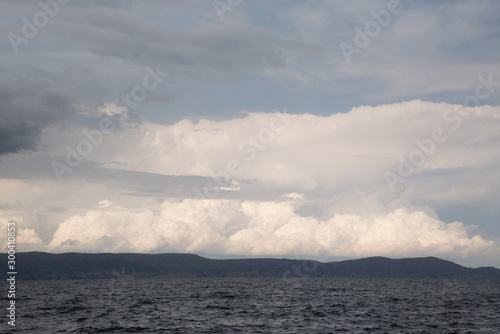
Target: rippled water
(220,305)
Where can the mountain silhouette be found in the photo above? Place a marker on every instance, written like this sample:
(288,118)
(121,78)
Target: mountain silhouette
(47,266)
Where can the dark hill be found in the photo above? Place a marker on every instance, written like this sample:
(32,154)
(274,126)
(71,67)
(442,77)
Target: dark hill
(43,266)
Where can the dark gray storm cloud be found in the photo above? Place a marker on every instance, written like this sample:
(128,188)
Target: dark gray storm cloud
(27,106)
(121,33)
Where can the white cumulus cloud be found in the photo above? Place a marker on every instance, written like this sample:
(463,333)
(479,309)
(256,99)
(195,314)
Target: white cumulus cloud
(267,228)
(26,239)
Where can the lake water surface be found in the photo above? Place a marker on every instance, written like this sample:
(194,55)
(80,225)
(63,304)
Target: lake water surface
(256,305)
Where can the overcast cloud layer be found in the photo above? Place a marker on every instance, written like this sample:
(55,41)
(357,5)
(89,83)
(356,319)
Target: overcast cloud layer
(171,127)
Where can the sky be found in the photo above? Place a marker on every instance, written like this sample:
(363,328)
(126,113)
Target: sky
(318,130)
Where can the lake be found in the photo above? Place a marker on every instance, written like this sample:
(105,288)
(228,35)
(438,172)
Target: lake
(257,305)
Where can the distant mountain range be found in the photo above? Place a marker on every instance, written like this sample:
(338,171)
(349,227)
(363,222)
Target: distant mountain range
(46,266)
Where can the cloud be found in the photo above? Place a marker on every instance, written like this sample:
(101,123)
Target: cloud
(343,160)
(266,228)
(122,33)
(295,196)
(321,165)
(105,203)
(258,61)
(26,239)
(339,153)
(333,201)
(27,106)
(110,109)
